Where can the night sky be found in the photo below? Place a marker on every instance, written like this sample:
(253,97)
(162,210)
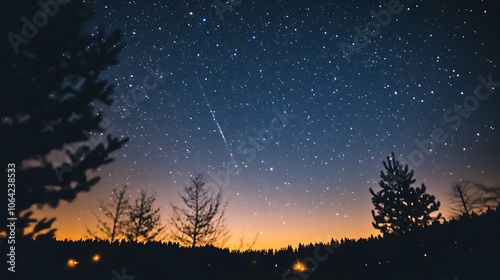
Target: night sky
(307,123)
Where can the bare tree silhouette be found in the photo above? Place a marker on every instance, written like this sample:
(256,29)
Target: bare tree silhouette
(201,220)
(464,199)
(470,197)
(143,221)
(114,210)
(490,196)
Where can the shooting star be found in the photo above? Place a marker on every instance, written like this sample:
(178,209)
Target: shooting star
(215,119)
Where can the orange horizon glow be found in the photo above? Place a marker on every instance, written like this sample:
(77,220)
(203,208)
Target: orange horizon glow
(323,229)
(271,237)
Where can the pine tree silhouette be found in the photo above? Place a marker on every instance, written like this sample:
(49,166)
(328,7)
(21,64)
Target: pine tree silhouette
(399,207)
(51,85)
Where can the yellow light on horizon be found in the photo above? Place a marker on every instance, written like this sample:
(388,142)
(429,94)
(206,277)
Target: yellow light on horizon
(96,258)
(72,263)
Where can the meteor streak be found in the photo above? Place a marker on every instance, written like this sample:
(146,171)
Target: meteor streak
(214,118)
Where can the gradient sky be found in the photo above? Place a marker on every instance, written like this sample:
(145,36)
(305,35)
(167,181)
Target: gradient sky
(310,182)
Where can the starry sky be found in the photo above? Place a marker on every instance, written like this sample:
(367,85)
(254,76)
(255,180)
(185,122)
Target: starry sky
(281,88)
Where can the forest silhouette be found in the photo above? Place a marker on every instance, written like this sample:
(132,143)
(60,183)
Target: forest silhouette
(464,248)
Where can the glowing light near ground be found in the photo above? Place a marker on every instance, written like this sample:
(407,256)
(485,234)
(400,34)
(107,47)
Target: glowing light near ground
(72,263)
(96,258)
(299,267)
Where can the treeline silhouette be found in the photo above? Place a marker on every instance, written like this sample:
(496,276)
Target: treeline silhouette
(464,248)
